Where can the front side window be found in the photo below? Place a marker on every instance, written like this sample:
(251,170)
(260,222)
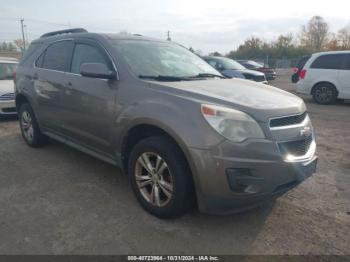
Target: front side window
(57,56)
(84,53)
(7,70)
(152,58)
(333,61)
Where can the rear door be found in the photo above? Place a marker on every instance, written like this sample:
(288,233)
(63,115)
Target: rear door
(89,102)
(344,78)
(325,68)
(49,82)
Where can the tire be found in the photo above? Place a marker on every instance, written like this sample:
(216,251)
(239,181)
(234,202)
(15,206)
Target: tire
(176,176)
(29,127)
(325,94)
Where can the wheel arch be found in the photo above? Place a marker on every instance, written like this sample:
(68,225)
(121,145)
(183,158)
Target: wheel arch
(143,129)
(319,83)
(20,100)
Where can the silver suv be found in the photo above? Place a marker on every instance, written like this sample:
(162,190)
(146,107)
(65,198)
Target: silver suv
(183,134)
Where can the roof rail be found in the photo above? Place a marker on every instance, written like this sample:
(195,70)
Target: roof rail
(67,31)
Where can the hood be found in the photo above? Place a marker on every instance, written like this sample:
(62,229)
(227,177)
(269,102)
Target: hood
(240,73)
(6,86)
(259,100)
(252,72)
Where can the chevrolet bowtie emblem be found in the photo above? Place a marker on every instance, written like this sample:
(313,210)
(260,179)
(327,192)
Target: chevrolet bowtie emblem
(305,132)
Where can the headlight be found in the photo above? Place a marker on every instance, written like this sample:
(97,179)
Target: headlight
(232,124)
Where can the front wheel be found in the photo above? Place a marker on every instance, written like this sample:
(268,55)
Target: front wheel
(160,177)
(29,127)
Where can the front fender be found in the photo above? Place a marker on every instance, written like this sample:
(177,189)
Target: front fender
(181,120)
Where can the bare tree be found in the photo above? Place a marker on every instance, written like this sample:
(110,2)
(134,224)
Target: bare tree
(344,37)
(314,35)
(19,44)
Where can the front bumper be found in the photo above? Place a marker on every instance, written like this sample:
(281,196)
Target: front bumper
(8,107)
(271,76)
(233,178)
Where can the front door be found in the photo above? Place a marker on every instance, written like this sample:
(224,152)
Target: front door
(344,79)
(89,102)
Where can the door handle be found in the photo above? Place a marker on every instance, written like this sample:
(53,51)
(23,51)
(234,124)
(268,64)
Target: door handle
(69,85)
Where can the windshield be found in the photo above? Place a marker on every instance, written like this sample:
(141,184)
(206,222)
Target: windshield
(151,58)
(231,64)
(252,64)
(7,70)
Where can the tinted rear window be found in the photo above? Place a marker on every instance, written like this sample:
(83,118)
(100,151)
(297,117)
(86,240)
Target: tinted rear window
(302,62)
(58,55)
(334,61)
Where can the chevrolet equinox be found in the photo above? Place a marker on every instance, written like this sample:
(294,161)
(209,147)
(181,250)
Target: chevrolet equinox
(183,134)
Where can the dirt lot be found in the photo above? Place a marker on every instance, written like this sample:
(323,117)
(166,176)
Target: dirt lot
(57,200)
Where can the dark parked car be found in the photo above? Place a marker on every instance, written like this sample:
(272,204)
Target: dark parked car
(298,68)
(231,69)
(183,133)
(250,64)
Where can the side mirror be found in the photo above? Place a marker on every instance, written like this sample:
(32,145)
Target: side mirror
(96,70)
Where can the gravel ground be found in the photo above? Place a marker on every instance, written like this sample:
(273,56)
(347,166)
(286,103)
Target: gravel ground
(56,200)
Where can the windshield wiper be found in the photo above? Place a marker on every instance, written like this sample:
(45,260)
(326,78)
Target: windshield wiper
(201,75)
(165,78)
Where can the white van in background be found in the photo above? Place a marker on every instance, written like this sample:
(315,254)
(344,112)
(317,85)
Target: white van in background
(326,76)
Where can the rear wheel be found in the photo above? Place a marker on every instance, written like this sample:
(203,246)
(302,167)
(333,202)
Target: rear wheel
(325,94)
(160,177)
(29,127)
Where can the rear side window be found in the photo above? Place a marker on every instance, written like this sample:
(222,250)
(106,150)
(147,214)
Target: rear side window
(40,61)
(84,53)
(334,61)
(347,62)
(58,56)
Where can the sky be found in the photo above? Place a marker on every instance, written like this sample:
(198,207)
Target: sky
(215,25)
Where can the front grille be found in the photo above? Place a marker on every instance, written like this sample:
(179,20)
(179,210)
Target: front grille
(295,148)
(288,120)
(8,96)
(9,110)
(248,76)
(259,78)
(254,77)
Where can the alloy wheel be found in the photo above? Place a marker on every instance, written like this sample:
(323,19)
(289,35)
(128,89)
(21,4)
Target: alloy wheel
(27,126)
(323,94)
(154,179)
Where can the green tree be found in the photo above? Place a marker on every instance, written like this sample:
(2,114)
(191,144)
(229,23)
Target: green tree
(215,54)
